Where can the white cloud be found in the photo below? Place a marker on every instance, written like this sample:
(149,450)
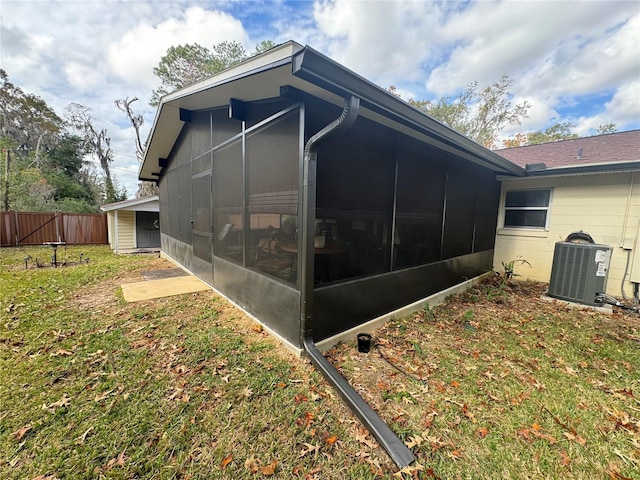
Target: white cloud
(384,41)
(573,61)
(551,43)
(138,51)
(623,110)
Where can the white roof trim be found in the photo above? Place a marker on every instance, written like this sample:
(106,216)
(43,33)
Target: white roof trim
(131,204)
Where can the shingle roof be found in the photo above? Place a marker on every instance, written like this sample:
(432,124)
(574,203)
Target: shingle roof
(610,148)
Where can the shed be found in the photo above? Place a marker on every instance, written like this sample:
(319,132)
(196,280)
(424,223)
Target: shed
(133,224)
(319,202)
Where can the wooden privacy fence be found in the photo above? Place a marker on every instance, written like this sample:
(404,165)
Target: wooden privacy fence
(31,228)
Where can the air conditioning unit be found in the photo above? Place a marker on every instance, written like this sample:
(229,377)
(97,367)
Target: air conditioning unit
(579,271)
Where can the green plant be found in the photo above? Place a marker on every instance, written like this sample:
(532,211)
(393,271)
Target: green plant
(427,312)
(509,267)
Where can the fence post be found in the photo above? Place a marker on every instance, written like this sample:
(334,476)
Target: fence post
(15,215)
(55,212)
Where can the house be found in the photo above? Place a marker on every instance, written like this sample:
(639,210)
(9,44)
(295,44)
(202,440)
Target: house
(256,161)
(589,184)
(133,225)
(319,202)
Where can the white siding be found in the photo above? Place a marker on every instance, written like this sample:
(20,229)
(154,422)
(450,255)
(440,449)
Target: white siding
(607,206)
(126,229)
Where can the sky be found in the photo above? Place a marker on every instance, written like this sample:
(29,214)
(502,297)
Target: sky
(573,61)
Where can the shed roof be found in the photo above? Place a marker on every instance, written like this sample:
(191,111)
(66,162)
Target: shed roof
(307,70)
(610,152)
(145,204)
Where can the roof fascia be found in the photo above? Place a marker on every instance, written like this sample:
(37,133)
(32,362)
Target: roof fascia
(587,169)
(594,169)
(320,70)
(129,203)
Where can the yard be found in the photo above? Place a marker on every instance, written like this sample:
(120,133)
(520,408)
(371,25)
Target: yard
(495,383)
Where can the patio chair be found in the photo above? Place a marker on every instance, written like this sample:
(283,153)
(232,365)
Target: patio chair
(271,259)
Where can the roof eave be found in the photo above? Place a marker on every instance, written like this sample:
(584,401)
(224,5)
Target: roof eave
(129,203)
(168,108)
(587,168)
(320,70)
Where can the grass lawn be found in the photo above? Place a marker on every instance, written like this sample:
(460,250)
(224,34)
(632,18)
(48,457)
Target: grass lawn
(495,383)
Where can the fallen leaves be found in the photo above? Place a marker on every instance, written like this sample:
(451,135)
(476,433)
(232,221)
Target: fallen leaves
(22,431)
(535,432)
(309,449)
(179,394)
(253,466)
(226,461)
(65,401)
(411,470)
(362,436)
(119,461)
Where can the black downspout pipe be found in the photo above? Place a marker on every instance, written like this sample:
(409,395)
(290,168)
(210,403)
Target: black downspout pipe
(397,450)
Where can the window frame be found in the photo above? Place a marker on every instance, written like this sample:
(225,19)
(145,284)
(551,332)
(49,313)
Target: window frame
(505,209)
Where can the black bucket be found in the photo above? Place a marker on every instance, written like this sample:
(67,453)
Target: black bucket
(364,342)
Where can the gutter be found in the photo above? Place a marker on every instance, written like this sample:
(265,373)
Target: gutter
(397,450)
(312,66)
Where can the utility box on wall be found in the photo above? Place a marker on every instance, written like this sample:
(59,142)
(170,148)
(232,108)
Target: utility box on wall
(579,271)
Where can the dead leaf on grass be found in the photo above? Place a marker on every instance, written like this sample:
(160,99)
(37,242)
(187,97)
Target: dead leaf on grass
(309,449)
(65,401)
(99,398)
(456,454)
(270,469)
(22,431)
(119,461)
(227,460)
(469,414)
(179,394)
(251,464)
(575,437)
(362,435)
(411,470)
(256,327)
(331,440)
(414,441)
(61,353)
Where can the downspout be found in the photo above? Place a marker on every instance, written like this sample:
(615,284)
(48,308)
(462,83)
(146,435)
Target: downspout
(397,450)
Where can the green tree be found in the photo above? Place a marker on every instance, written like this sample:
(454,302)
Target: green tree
(43,164)
(187,64)
(554,133)
(27,120)
(606,128)
(480,114)
(63,171)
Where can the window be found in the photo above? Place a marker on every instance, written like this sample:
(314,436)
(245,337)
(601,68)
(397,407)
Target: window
(527,208)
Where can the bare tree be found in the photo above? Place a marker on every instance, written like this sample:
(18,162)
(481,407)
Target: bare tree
(145,189)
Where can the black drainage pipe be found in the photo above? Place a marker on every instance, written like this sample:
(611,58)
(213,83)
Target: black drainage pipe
(397,450)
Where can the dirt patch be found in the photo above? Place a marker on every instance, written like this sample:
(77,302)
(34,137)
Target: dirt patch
(107,293)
